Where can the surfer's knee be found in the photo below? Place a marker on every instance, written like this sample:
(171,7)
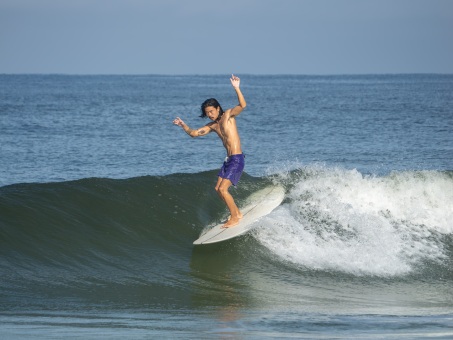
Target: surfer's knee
(217,186)
(222,188)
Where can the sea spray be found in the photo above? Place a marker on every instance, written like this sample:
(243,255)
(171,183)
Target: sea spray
(337,219)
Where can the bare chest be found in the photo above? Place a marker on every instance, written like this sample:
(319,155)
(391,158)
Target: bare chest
(224,128)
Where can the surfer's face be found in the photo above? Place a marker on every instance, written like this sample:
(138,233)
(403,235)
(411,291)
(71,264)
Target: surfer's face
(212,112)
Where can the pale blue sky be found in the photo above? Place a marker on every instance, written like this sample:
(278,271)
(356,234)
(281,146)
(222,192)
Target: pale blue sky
(224,36)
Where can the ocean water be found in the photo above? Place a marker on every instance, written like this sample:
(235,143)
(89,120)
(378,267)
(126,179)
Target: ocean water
(101,197)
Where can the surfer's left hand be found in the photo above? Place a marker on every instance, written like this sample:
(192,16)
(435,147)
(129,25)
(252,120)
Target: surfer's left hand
(235,81)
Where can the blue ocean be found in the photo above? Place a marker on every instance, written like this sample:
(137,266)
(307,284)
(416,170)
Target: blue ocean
(101,198)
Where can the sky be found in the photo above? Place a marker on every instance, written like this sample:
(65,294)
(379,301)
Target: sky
(226,36)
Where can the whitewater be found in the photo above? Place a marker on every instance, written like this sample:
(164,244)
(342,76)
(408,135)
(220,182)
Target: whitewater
(339,219)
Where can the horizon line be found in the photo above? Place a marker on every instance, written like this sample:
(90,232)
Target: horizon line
(222,74)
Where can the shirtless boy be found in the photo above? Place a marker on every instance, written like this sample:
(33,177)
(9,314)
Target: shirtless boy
(224,124)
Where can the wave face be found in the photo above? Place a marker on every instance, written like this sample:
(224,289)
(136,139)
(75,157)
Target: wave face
(71,238)
(131,240)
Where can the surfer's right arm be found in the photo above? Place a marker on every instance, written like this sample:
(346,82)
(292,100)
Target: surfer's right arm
(192,133)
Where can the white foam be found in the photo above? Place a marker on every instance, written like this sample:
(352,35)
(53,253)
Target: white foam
(341,220)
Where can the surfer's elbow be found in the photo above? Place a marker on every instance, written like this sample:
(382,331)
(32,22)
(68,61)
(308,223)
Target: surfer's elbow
(193,133)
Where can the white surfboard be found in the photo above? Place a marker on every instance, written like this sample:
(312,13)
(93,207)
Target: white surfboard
(260,204)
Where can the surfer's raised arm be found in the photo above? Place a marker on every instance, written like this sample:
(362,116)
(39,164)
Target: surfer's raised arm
(236,81)
(192,133)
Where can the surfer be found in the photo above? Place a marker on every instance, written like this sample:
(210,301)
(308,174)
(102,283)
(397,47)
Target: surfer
(224,124)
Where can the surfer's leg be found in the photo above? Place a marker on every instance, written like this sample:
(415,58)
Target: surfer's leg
(222,189)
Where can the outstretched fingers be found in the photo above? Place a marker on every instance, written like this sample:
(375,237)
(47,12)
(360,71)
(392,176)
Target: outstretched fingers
(178,121)
(235,81)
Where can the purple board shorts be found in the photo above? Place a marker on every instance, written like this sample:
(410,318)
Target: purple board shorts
(232,168)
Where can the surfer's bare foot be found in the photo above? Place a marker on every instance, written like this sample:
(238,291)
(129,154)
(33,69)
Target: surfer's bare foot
(232,221)
(239,217)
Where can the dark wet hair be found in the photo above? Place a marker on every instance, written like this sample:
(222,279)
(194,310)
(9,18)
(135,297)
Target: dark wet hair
(210,102)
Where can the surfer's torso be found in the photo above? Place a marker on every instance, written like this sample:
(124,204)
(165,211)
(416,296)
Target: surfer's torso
(226,129)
